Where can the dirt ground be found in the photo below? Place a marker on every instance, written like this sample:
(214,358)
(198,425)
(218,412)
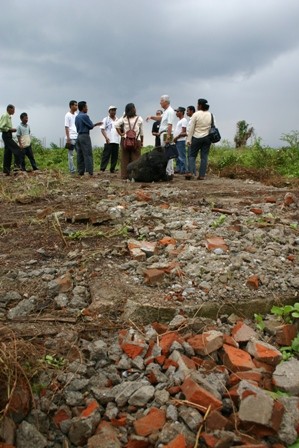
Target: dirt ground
(33,233)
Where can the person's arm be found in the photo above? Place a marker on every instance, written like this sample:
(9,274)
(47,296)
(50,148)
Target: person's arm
(141,131)
(103,131)
(19,136)
(119,126)
(183,133)
(154,117)
(168,133)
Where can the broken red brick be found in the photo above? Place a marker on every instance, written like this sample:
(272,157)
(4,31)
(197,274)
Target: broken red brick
(216,421)
(253,282)
(178,442)
(167,240)
(216,243)
(91,407)
(248,375)
(168,339)
(256,211)
(236,359)
(286,334)
(196,394)
(153,276)
(153,421)
(63,413)
(264,352)
(207,342)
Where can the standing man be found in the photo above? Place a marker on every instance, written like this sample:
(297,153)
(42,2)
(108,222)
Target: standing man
(10,146)
(84,148)
(24,139)
(112,138)
(179,139)
(71,133)
(189,113)
(166,129)
(156,127)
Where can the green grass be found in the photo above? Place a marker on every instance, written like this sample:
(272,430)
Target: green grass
(283,161)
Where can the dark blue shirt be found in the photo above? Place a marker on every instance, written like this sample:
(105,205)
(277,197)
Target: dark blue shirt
(83,123)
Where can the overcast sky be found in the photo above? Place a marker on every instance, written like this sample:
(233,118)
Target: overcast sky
(241,55)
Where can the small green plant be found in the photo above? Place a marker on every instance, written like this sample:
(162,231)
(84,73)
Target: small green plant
(294,445)
(259,322)
(54,361)
(218,222)
(287,313)
(291,350)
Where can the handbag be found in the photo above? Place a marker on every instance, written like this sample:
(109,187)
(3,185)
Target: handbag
(171,151)
(214,133)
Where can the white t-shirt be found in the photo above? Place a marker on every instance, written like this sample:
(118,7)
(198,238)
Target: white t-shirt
(108,126)
(138,128)
(168,117)
(182,123)
(69,122)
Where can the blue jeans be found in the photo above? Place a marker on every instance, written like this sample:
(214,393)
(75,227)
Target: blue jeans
(181,160)
(203,145)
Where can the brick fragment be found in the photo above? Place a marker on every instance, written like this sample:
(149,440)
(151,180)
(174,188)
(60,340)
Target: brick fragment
(242,332)
(207,342)
(236,359)
(264,352)
(216,421)
(285,334)
(253,282)
(153,276)
(196,394)
(168,339)
(153,421)
(249,375)
(178,442)
(215,243)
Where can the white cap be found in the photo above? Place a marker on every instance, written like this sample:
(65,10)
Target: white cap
(112,107)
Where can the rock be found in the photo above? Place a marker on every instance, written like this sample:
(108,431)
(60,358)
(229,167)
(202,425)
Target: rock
(286,376)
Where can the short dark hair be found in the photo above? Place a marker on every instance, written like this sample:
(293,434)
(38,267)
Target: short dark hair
(81,105)
(72,102)
(191,108)
(23,114)
(10,106)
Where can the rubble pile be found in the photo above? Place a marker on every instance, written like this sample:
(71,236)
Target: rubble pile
(194,382)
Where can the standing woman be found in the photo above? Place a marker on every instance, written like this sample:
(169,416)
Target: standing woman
(198,138)
(129,121)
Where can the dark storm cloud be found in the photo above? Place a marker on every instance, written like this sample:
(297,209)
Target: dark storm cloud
(117,52)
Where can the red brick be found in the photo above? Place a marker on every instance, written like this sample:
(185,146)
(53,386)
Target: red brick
(256,211)
(270,200)
(167,240)
(132,350)
(289,199)
(153,421)
(215,243)
(215,421)
(253,282)
(209,440)
(63,413)
(138,444)
(105,435)
(153,276)
(264,352)
(193,392)
(121,421)
(227,339)
(167,340)
(178,442)
(173,390)
(170,362)
(263,366)
(207,342)
(160,328)
(236,359)
(286,334)
(248,375)
(91,407)
(143,196)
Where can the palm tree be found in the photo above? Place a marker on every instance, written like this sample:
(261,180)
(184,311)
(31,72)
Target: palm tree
(243,133)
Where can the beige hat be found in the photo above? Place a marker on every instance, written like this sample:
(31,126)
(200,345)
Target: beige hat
(112,107)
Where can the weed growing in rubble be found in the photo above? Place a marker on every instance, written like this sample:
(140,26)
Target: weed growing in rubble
(287,313)
(218,222)
(292,350)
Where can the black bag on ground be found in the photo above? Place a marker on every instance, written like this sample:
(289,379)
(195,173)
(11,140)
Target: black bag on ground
(171,151)
(150,167)
(214,133)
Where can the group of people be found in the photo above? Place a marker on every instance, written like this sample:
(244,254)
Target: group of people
(11,147)
(190,134)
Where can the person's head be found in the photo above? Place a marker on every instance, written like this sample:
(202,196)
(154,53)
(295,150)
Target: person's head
(202,104)
(159,112)
(164,101)
(10,109)
(112,111)
(82,106)
(24,117)
(190,111)
(73,105)
(130,110)
(180,112)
